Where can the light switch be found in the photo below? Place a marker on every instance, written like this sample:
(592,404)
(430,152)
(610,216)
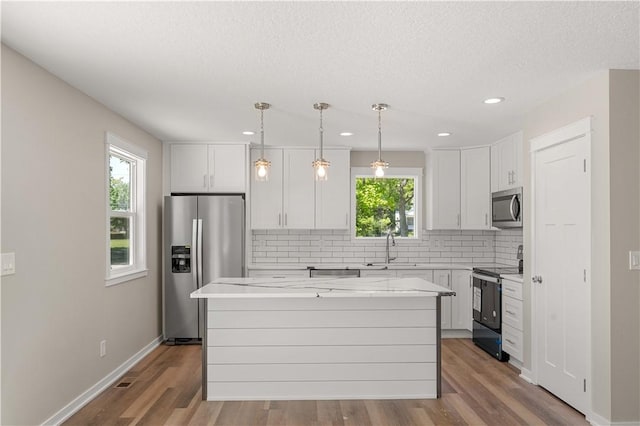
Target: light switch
(634,260)
(8,264)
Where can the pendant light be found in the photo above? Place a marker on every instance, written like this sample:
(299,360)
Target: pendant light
(261,164)
(321,165)
(379,165)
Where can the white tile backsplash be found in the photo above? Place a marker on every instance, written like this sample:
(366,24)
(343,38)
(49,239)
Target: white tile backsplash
(337,246)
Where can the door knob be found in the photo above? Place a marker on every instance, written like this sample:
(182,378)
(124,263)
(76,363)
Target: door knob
(536,279)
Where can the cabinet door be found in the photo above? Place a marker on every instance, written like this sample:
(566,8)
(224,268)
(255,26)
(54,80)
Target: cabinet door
(507,156)
(299,189)
(189,169)
(333,201)
(443,278)
(445,204)
(517,161)
(266,197)
(461,308)
(227,168)
(475,197)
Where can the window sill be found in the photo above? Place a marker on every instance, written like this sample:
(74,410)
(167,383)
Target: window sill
(127,276)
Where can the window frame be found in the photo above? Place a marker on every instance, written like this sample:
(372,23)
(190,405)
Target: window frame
(415,173)
(116,146)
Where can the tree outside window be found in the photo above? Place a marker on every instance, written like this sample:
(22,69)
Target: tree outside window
(384,204)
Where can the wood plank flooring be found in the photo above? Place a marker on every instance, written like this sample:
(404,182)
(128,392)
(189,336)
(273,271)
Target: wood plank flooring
(477,390)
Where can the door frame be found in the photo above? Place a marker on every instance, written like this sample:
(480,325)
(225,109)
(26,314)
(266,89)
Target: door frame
(579,129)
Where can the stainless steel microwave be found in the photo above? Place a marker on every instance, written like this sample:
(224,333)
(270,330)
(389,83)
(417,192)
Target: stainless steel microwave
(506,208)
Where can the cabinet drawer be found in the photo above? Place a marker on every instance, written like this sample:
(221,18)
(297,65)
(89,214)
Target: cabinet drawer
(512,342)
(512,312)
(512,289)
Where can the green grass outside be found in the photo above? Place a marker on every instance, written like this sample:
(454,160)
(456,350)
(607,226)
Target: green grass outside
(121,243)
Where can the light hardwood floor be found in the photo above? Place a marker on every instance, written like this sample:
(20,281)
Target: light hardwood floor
(477,390)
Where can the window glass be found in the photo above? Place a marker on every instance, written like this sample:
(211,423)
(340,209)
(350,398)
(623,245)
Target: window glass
(383,205)
(126,228)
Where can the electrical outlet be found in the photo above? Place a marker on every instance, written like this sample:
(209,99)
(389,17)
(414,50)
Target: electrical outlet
(8,264)
(634,260)
(103,348)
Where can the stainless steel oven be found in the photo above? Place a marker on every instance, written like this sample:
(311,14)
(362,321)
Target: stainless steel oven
(506,208)
(487,308)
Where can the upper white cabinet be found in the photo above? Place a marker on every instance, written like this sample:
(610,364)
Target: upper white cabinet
(458,189)
(287,199)
(333,195)
(475,191)
(443,198)
(506,163)
(292,199)
(214,168)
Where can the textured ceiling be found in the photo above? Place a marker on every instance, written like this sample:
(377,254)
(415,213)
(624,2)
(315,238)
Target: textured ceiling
(193,70)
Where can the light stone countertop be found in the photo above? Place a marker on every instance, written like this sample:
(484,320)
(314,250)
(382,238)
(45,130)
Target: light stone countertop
(367,266)
(320,287)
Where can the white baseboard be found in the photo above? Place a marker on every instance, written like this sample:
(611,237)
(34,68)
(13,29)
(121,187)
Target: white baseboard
(88,395)
(527,375)
(597,420)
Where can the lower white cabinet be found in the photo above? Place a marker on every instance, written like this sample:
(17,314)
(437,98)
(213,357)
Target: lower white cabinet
(461,307)
(512,318)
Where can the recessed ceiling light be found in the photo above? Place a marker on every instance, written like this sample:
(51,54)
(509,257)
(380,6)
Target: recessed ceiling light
(444,134)
(493,100)
(346,134)
(248,133)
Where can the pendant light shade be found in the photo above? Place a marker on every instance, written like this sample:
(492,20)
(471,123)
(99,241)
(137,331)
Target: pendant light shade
(379,165)
(321,165)
(262,165)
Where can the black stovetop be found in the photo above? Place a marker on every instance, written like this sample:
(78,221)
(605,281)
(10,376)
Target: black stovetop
(498,271)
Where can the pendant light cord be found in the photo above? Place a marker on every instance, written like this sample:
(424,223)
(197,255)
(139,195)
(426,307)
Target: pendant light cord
(379,136)
(261,133)
(321,135)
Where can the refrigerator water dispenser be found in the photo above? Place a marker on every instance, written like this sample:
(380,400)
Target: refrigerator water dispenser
(181,259)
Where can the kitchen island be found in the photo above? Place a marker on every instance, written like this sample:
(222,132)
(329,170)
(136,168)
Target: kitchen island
(320,338)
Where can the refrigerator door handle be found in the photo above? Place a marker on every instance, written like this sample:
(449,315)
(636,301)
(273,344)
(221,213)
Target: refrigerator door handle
(199,250)
(194,253)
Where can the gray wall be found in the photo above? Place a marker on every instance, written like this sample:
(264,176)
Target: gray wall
(613,160)
(56,308)
(624,137)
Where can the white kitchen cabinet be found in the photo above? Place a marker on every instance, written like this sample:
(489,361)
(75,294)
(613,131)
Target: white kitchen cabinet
(512,318)
(208,168)
(443,193)
(287,199)
(443,278)
(458,189)
(461,307)
(506,163)
(333,202)
(266,196)
(475,188)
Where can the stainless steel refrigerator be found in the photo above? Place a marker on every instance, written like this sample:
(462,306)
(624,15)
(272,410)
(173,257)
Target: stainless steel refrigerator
(203,240)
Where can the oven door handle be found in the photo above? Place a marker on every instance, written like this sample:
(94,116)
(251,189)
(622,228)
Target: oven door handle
(485,278)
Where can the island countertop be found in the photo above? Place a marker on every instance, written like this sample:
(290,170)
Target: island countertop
(320,287)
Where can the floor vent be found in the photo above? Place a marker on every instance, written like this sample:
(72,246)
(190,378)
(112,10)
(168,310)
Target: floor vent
(123,385)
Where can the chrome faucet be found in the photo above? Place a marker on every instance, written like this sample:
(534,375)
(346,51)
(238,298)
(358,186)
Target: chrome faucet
(388,259)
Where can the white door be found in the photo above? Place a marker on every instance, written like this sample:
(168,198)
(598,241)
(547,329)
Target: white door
(561,261)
